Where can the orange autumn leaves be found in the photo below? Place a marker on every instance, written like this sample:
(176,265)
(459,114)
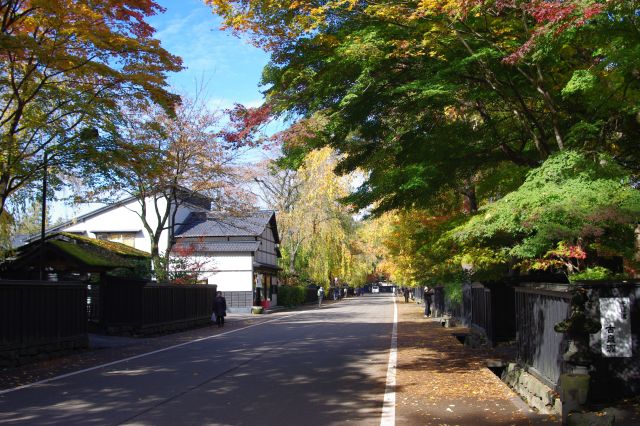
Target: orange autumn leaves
(272,23)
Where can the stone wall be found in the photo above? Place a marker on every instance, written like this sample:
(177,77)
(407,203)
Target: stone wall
(534,391)
(238,301)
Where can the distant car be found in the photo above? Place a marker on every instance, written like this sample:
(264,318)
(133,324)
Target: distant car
(375,289)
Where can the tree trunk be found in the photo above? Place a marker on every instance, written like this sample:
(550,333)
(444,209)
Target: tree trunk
(293,255)
(4,193)
(469,200)
(292,263)
(159,269)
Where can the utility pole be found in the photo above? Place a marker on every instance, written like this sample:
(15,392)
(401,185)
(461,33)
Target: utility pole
(43,222)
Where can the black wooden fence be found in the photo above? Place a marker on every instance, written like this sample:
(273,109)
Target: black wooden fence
(144,308)
(538,308)
(467,302)
(492,309)
(93,302)
(41,317)
(481,309)
(439,306)
(311,295)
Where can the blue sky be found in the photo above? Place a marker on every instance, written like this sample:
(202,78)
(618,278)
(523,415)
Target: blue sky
(229,66)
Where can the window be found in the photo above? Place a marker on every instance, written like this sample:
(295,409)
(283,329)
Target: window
(127,238)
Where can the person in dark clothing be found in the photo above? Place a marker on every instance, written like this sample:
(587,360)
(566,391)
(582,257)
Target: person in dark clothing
(405,292)
(220,309)
(427,296)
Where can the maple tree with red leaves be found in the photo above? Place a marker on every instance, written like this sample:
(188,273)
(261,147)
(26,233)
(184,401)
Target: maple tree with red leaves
(245,125)
(565,257)
(552,18)
(183,266)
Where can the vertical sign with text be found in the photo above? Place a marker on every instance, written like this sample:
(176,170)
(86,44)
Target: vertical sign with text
(615,317)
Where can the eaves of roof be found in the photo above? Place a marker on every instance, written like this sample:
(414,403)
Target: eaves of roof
(219,246)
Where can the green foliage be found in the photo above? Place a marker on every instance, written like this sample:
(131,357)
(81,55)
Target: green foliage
(496,182)
(138,269)
(596,273)
(425,95)
(291,295)
(572,197)
(582,82)
(441,101)
(453,291)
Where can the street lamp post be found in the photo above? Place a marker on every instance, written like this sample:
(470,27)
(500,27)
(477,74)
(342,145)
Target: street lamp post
(43,222)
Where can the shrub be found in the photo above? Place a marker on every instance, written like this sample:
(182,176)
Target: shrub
(291,295)
(597,273)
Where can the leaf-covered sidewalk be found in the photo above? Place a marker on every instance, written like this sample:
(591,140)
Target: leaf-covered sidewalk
(441,382)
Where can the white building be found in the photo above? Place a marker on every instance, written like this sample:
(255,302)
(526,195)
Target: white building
(120,222)
(238,252)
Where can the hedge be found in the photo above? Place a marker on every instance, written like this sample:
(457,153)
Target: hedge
(291,295)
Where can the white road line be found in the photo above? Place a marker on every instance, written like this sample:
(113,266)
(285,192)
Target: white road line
(109,364)
(389,404)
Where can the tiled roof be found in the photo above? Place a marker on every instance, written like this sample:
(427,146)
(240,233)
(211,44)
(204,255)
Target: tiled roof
(221,246)
(207,224)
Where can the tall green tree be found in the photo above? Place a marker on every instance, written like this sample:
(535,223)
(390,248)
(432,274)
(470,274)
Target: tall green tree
(573,207)
(446,104)
(430,97)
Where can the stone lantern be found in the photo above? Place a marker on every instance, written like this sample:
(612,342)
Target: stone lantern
(574,385)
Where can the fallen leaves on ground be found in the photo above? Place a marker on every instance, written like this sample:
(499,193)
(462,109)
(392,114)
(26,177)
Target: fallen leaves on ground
(448,380)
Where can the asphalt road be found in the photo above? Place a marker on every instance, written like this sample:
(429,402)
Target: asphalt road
(314,367)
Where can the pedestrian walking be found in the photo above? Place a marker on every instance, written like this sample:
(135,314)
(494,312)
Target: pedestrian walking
(345,292)
(220,308)
(405,292)
(427,296)
(320,295)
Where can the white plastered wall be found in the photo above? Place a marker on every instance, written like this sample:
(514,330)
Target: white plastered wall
(231,272)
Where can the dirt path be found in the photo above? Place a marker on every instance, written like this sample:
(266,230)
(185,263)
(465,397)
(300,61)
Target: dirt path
(441,382)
